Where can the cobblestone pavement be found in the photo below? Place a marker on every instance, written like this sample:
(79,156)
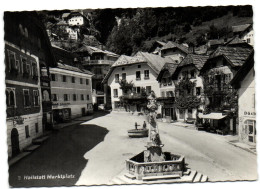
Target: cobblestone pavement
(207,153)
(95,152)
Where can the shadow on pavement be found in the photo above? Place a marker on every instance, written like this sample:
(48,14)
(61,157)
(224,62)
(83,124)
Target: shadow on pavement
(62,155)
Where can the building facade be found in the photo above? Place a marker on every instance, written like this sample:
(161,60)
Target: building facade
(217,73)
(189,87)
(244,81)
(175,51)
(27,50)
(98,62)
(71,92)
(167,91)
(141,71)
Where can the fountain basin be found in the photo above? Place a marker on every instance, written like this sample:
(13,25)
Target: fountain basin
(173,165)
(135,133)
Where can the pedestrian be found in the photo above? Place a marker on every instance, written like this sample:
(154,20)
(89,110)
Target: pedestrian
(144,125)
(136,125)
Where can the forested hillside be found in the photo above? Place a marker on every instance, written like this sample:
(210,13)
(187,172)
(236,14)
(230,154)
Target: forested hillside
(126,31)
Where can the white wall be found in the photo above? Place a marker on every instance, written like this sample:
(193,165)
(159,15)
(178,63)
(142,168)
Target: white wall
(246,104)
(250,36)
(29,120)
(130,71)
(76,20)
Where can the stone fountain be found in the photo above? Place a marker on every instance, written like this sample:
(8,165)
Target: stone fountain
(153,163)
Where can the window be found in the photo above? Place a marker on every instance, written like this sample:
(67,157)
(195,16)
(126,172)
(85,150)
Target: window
(146,74)
(87,81)
(82,97)
(123,76)
(117,78)
(138,75)
(148,89)
(139,66)
(115,93)
(36,127)
(66,97)
(163,94)
(74,97)
(34,69)
(198,90)
(24,63)
(248,40)
(55,97)
(192,73)
(26,97)
(12,62)
(87,96)
(81,81)
(72,79)
(123,69)
(27,131)
(53,77)
(169,93)
(36,97)
(138,89)
(10,97)
(64,78)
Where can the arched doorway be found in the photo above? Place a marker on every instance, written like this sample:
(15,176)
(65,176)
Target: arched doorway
(15,142)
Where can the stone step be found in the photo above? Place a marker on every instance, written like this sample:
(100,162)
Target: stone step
(31,148)
(40,140)
(198,177)
(191,176)
(204,178)
(147,178)
(127,175)
(187,172)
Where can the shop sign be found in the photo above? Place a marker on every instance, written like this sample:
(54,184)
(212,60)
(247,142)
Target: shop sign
(248,113)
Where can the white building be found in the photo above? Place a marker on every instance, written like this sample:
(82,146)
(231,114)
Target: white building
(244,81)
(142,70)
(175,51)
(189,69)
(245,32)
(71,92)
(167,91)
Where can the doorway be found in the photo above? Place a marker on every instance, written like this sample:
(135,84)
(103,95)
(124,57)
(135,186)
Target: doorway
(15,142)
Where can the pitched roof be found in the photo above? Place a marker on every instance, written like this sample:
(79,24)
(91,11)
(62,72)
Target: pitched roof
(240,28)
(65,15)
(215,42)
(72,68)
(160,42)
(170,67)
(156,62)
(171,45)
(92,50)
(243,71)
(191,59)
(235,55)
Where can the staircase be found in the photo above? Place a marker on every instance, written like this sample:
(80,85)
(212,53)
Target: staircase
(188,177)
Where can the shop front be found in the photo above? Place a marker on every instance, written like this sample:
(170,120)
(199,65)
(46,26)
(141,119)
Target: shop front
(247,127)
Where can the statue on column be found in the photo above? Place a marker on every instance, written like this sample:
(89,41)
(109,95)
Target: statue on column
(154,145)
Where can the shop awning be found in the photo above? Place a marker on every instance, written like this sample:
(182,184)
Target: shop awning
(212,116)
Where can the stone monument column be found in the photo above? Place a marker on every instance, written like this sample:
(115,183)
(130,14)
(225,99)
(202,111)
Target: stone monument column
(154,145)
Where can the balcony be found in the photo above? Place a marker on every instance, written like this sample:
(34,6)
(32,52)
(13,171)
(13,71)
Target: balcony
(97,62)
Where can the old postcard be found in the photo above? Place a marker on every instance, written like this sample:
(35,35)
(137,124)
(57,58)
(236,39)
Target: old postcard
(130,96)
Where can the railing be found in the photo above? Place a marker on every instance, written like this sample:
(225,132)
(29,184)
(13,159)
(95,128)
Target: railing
(90,62)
